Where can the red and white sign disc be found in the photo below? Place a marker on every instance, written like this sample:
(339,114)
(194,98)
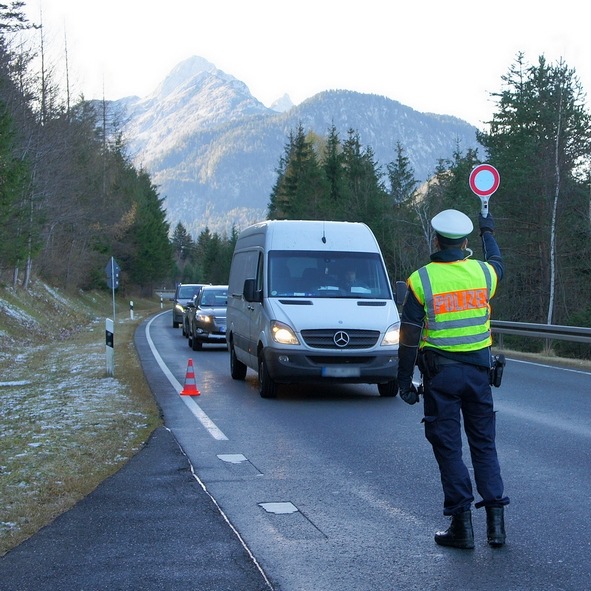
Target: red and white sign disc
(484,180)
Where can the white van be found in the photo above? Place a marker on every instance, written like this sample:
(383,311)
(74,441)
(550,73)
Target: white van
(311,301)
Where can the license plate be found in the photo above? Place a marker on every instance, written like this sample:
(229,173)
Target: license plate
(341,372)
(222,329)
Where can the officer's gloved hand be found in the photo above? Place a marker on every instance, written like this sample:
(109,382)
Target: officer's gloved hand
(486,224)
(409,394)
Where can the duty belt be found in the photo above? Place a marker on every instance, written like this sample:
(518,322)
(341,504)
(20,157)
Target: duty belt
(441,360)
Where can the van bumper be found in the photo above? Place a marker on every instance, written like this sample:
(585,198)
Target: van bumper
(288,366)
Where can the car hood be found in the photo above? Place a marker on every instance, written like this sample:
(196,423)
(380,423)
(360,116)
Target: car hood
(212,311)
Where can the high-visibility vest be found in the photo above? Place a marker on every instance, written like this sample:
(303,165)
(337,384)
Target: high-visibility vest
(456,300)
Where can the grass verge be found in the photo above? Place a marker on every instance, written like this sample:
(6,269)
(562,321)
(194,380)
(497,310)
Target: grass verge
(65,424)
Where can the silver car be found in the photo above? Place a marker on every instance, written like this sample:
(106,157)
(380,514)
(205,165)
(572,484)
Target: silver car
(207,322)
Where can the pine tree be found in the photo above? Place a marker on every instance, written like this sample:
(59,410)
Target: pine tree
(333,166)
(301,188)
(182,243)
(540,140)
(14,182)
(401,177)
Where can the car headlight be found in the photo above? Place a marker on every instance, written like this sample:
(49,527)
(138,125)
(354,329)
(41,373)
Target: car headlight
(179,308)
(392,336)
(204,318)
(283,334)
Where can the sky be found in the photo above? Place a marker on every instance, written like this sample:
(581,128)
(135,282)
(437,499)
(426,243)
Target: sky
(433,56)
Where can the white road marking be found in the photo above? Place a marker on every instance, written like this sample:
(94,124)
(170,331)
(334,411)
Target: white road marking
(279,508)
(189,401)
(232,458)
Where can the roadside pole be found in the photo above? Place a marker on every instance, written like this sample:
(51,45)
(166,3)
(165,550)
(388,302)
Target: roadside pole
(109,346)
(112,270)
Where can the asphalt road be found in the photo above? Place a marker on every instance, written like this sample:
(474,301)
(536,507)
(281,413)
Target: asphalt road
(326,488)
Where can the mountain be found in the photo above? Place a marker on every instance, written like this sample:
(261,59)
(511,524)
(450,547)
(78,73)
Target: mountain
(282,104)
(213,149)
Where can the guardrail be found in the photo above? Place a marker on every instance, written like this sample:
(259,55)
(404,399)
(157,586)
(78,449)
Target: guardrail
(560,332)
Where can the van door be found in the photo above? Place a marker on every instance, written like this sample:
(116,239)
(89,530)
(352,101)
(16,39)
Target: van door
(244,266)
(256,310)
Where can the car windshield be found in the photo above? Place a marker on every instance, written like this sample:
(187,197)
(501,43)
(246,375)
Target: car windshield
(327,275)
(186,292)
(217,298)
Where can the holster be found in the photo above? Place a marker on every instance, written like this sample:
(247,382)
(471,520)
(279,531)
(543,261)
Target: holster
(496,370)
(427,363)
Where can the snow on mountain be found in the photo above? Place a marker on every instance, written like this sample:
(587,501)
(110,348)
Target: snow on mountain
(282,104)
(194,96)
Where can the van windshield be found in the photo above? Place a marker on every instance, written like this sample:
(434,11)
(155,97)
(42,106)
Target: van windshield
(327,275)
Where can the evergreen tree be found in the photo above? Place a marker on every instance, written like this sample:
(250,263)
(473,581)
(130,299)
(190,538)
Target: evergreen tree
(152,253)
(368,200)
(540,140)
(182,243)
(333,166)
(301,189)
(401,177)
(14,182)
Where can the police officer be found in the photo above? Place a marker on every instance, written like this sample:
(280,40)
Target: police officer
(445,330)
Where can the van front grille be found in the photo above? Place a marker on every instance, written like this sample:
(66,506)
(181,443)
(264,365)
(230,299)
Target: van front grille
(345,339)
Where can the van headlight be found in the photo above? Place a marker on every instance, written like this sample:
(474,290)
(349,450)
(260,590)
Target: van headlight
(392,336)
(283,334)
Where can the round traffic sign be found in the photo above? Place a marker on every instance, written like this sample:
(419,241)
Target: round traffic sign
(484,180)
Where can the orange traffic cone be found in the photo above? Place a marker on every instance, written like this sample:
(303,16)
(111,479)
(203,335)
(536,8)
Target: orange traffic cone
(190,388)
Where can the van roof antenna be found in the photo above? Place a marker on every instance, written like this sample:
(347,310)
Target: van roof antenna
(323,234)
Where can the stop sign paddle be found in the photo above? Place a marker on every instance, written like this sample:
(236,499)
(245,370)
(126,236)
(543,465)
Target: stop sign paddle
(484,181)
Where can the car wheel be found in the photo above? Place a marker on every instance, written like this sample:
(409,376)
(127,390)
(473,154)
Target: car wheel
(195,344)
(388,389)
(237,368)
(267,387)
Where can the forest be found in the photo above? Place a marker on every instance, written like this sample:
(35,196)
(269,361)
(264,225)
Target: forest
(70,198)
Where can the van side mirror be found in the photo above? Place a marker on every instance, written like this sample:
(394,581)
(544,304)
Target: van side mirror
(250,292)
(401,290)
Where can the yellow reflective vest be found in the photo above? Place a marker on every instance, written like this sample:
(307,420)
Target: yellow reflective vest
(456,299)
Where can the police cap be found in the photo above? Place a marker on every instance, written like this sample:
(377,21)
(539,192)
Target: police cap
(452,225)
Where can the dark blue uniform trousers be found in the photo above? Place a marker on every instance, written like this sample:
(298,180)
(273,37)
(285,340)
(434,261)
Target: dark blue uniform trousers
(462,391)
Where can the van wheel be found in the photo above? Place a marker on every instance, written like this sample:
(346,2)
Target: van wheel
(389,389)
(237,368)
(267,387)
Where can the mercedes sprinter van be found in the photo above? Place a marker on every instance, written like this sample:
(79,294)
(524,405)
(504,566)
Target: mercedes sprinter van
(311,301)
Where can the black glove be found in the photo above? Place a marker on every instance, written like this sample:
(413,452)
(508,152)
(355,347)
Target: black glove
(409,394)
(487,224)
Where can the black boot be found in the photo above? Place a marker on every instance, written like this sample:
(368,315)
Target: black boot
(495,526)
(459,534)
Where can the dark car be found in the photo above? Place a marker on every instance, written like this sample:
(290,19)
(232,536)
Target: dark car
(207,320)
(184,293)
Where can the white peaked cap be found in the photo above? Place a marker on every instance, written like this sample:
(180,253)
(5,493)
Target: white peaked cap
(452,224)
